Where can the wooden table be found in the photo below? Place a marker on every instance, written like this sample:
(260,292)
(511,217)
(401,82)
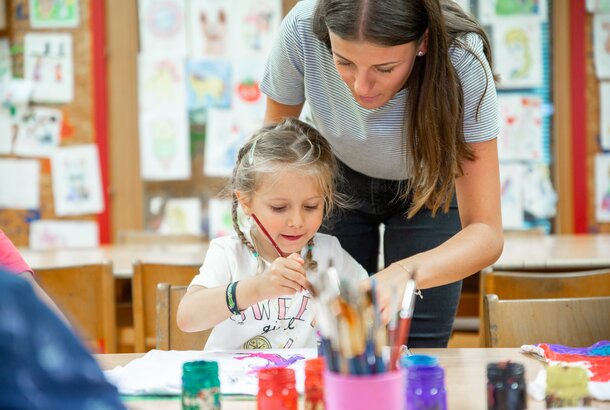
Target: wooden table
(555,252)
(122,256)
(465,378)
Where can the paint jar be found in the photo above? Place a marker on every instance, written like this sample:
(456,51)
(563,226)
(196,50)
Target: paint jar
(200,386)
(506,386)
(425,389)
(314,384)
(567,386)
(418,360)
(276,389)
(365,392)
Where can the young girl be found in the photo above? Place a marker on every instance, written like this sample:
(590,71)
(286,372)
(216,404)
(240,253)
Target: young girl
(253,287)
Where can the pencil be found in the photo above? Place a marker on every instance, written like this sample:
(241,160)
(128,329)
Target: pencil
(260,225)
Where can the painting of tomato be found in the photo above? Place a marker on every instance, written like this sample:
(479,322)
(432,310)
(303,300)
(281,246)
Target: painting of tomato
(248,90)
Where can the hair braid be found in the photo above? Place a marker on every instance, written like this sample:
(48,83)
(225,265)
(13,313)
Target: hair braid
(242,237)
(310,263)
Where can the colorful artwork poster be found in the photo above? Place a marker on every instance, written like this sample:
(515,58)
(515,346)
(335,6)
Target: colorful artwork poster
(19,183)
(164,145)
(254,27)
(160,371)
(602,187)
(6,72)
(519,8)
(518,52)
(604,115)
(38,132)
(246,93)
(521,134)
(601,45)
(181,216)
(161,81)
(598,6)
(162,26)
(54,13)
(511,183)
(220,222)
(48,234)
(208,27)
(77,183)
(208,84)
(49,66)
(226,131)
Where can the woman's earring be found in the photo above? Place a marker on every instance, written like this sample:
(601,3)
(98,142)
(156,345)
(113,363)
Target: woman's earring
(420,53)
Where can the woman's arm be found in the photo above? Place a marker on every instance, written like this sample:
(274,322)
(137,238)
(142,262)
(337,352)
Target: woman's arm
(275,111)
(479,243)
(202,308)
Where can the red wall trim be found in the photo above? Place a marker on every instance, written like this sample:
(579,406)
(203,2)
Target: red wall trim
(100,108)
(579,115)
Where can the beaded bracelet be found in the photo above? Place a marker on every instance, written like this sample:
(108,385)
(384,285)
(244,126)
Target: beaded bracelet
(417,291)
(231,298)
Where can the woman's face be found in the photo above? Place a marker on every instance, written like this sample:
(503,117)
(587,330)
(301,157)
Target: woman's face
(373,73)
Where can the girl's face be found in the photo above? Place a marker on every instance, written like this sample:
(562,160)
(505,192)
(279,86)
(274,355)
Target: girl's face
(290,206)
(373,73)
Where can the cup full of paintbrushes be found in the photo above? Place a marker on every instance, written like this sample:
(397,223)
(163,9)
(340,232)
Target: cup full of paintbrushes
(353,338)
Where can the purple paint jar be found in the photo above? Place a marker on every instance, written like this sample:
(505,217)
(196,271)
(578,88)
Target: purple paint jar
(426,388)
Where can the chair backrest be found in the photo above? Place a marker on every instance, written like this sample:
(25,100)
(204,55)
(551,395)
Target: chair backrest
(85,294)
(146,276)
(169,336)
(573,322)
(543,285)
(153,238)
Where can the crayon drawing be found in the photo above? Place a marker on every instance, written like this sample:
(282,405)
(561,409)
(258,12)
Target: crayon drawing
(521,135)
(220,222)
(604,115)
(181,216)
(38,132)
(518,52)
(602,187)
(54,13)
(598,6)
(57,234)
(247,96)
(601,45)
(161,81)
(77,183)
(226,131)
(511,183)
(208,28)
(520,8)
(49,65)
(162,26)
(208,84)
(164,145)
(255,26)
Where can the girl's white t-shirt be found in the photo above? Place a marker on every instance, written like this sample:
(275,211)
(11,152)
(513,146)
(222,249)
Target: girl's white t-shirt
(284,322)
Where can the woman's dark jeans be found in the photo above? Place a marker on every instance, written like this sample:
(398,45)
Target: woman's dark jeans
(358,232)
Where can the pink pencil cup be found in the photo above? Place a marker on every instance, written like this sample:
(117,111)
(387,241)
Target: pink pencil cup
(375,391)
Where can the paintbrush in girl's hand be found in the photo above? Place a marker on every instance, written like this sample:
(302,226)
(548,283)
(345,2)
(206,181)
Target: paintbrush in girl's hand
(262,228)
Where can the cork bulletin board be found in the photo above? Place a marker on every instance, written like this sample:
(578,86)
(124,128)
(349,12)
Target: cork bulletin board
(78,125)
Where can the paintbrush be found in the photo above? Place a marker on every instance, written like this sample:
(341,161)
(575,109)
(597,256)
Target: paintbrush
(262,228)
(404,321)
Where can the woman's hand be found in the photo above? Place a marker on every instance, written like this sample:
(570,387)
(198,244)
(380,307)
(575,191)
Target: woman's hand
(390,287)
(285,276)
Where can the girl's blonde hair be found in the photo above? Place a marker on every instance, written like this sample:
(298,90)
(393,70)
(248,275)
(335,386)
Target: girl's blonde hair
(288,145)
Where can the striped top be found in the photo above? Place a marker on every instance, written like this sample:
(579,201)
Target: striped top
(300,69)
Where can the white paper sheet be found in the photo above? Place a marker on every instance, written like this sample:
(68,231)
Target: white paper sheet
(38,132)
(19,183)
(601,45)
(58,13)
(77,184)
(57,234)
(219,218)
(604,115)
(161,82)
(160,372)
(6,72)
(521,134)
(181,216)
(602,187)
(49,65)
(6,132)
(511,180)
(162,26)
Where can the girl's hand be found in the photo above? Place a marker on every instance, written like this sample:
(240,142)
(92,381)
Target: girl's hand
(285,276)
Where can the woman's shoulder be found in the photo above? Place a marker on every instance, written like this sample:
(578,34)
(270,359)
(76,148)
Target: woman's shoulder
(468,44)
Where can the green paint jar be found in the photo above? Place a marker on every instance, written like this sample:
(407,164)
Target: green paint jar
(200,386)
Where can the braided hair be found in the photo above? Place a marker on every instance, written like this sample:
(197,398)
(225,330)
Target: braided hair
(292,144)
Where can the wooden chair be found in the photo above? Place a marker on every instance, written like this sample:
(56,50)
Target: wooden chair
(169,337)
(543,285)
(85,294)
(146,276)
(573,322)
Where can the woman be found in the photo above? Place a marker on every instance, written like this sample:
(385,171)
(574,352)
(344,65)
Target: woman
(404,92)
